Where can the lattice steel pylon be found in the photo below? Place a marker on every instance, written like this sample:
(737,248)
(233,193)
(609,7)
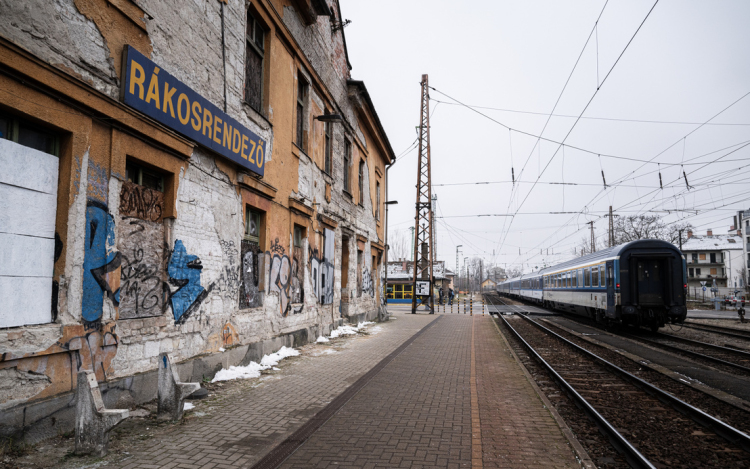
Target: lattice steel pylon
(423,234)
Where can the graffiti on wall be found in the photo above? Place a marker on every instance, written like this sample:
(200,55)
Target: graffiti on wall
(228,283)
(100,260)
(252,260)
(141,202)
(367,282)
(91,346)
(141,245)
(321,269)
(186,293)
(280,275)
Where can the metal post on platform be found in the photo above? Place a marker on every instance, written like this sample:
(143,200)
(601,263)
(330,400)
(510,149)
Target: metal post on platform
(471,306)
(482,305)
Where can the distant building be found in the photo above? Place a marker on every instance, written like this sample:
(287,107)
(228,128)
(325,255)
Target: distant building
(716,258)
(489,285)
(742,225)
(401,276)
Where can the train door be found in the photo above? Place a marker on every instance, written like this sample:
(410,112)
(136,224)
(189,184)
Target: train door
(651,277)
(610,276)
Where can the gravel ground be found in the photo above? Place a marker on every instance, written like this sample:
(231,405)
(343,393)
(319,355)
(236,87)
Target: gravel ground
(584,429)
(663,435)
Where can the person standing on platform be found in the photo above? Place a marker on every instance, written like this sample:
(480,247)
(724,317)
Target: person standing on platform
(450,296)
(440,300)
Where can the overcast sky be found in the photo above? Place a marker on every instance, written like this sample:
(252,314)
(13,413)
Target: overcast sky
(688,61)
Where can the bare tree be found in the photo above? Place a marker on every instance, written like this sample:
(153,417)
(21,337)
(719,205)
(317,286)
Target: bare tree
(514,272)
(637,227)
(399,245)
(584,246)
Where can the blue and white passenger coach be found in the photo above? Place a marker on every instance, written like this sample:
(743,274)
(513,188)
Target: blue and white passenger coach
(642,283)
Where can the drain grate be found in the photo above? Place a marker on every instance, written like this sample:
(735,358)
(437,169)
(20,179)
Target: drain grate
(285,449)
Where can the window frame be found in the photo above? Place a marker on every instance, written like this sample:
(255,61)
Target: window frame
(257,239)
(327,164)
(377,199)
(361,182)
(347,163)
(259,31)
(303,89)
(138,179)
(14,133)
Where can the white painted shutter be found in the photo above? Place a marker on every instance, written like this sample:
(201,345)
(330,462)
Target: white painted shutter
(28,202)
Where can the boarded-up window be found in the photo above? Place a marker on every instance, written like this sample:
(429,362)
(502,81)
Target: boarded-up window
(140,242)
(713,270)
(28,204)
(254,51)
(703,257)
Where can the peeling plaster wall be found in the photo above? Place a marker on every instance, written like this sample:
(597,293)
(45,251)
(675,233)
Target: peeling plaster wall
(121,245)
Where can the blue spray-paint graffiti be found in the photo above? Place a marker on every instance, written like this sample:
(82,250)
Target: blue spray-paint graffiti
(98,261)
(185,273)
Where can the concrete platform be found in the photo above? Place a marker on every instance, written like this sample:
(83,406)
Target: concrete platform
(451,395)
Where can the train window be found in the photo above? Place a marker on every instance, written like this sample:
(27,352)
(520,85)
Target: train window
(575,279)
(595,276)
(587,276)
(580,277)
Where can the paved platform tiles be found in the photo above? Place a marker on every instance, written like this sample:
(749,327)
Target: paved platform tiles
(244,429)
(420,410)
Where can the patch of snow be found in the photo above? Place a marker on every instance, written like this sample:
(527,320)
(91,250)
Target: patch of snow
(375,330)
(276,369)
(322,340)
(188,406)
(222,349)
(252,370)
(349,330)
(272,360)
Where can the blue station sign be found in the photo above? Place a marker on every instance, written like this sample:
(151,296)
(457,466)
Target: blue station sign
(163,97)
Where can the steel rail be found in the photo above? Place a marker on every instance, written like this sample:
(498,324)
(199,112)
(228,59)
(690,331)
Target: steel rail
(722,429)
(691,352)
(632,455)
(719,330)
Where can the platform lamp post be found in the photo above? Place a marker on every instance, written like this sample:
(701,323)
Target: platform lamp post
(387,203)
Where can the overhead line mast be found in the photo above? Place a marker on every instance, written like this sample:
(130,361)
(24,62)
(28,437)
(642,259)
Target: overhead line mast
(423,234)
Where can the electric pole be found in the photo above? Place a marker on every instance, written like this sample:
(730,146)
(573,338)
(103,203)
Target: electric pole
(593,240)
(423,242)
(611,227)
(458,273)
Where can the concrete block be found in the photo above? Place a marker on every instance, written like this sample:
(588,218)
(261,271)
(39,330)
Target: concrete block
(93,420)
(172,392)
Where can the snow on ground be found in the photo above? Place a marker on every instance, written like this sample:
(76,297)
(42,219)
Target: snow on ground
(349,330)
(188,406)
(322,340)
(252,370)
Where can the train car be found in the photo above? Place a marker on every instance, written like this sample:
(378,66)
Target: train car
(642,283)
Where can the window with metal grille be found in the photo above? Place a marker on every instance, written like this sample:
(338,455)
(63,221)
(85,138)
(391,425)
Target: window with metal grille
(301,99)
(361,182)
(347,162)
(328,148)
(254,52)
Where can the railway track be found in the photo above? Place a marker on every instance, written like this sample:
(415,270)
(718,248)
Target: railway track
(730,358)
(726,331)
(643,422)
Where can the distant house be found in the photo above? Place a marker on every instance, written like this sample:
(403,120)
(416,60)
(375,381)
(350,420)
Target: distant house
(401,276)
(489,285)
(714,258)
